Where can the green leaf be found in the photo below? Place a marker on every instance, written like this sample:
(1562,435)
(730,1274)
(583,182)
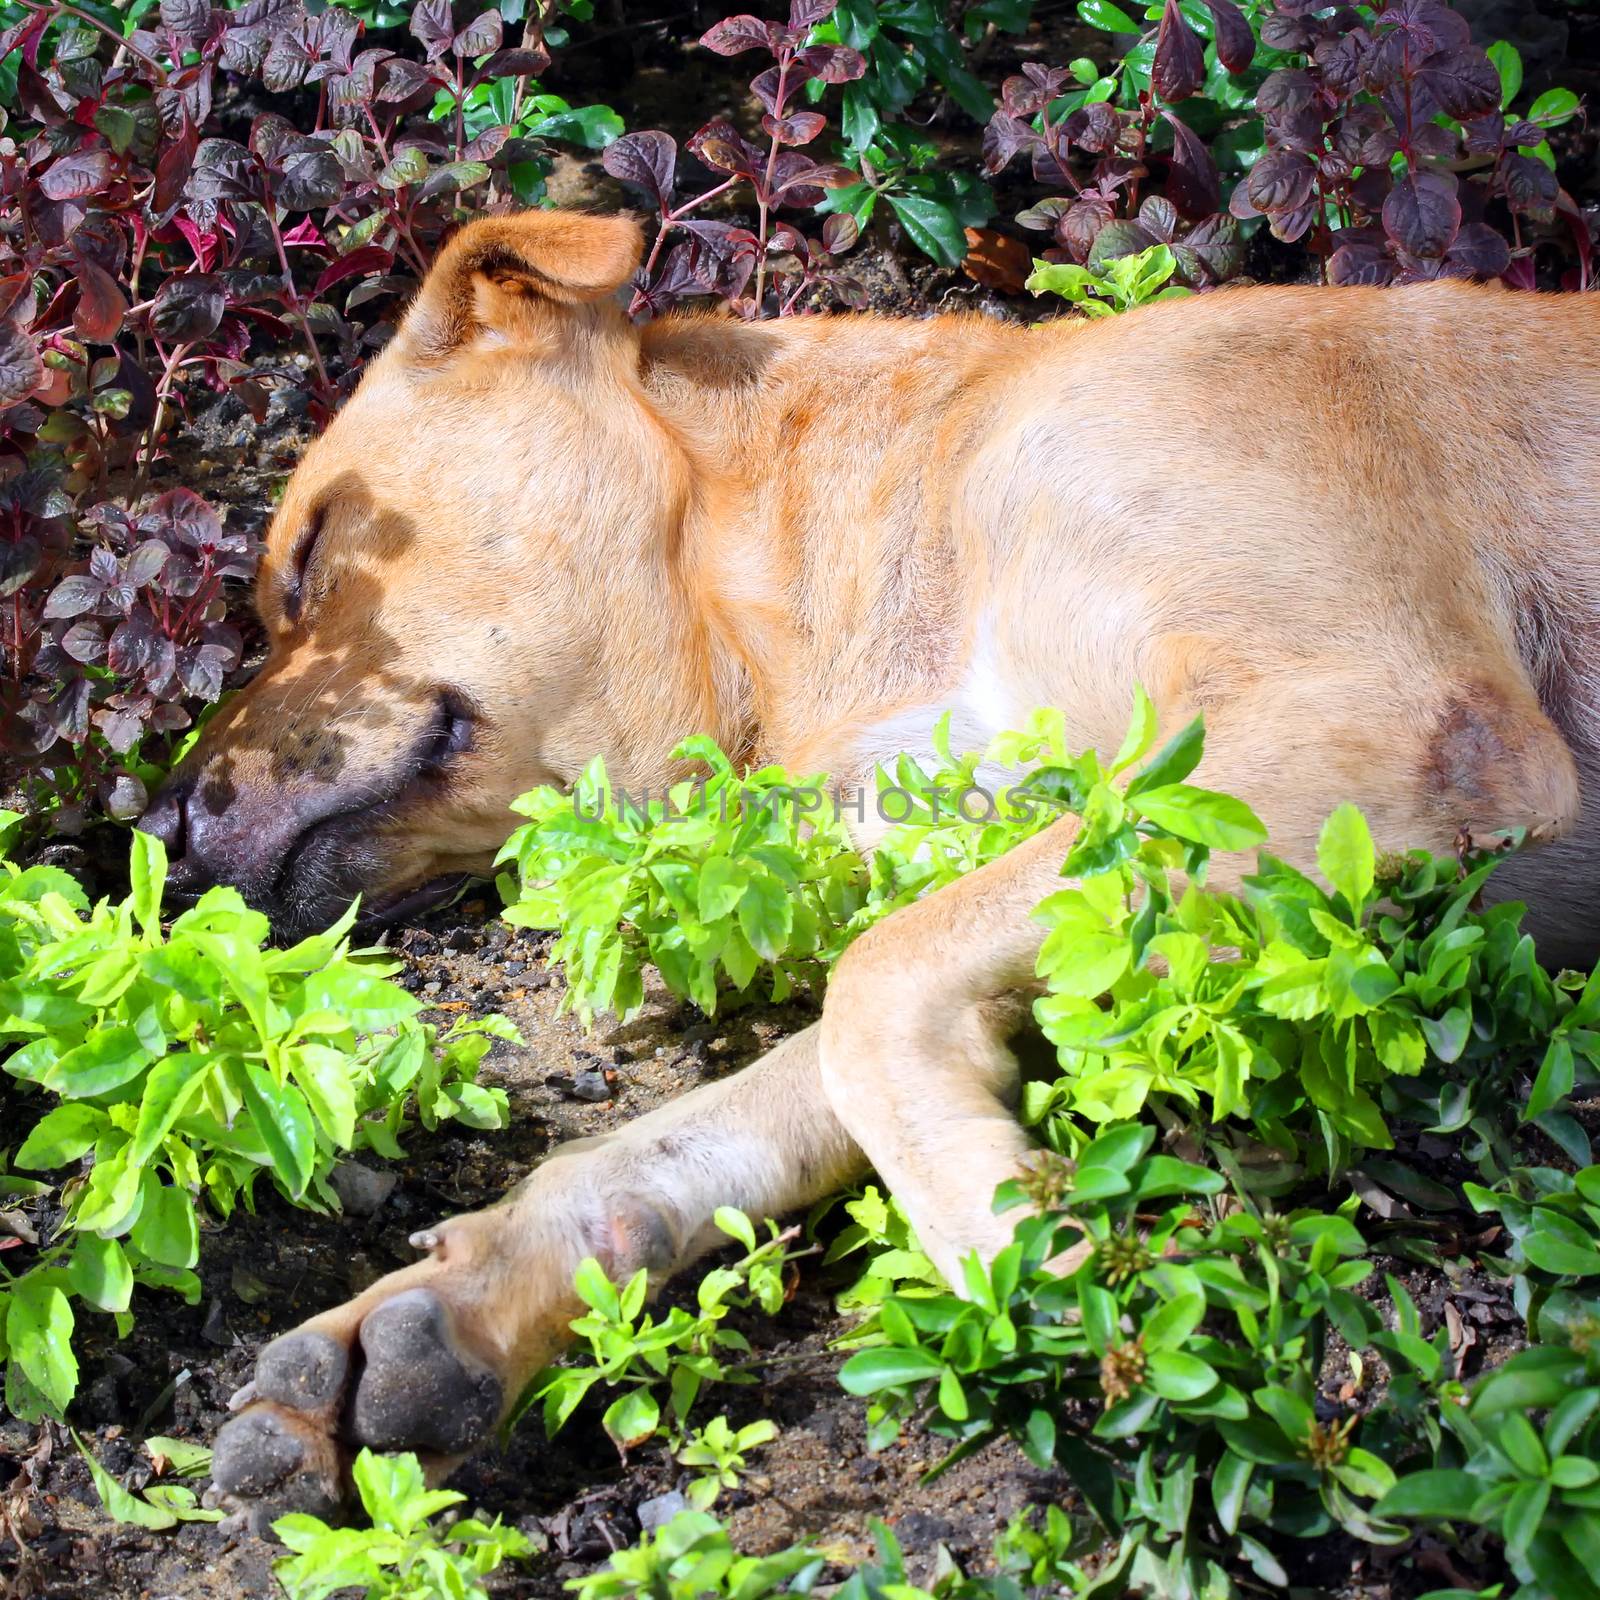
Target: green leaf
(1558,1251)
(1554,107)
(61,1135)
(1557,1074)
(1346,857)
(167,1230)
(1174,761)
(39,1337)
(99,1273)
(1292,1414)
(1174,1375)
(283,1121)
(932,226)
(887,1367)
(722,884)
(1524,1514)
(1439,1493)
(107,1059)
(173,1083)
(736,1225)
(367,1002)
(766,915)
(119,1505)
(1217,820)
(1107,17)
(596,1290)
(182,1456)
(1141,732)
(1507,60)
(1230,1482)
(147,873)
(1171,1325)
(632,1419)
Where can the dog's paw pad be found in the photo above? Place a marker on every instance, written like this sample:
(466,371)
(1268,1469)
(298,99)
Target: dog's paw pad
(276,1462)
(303,1370)
(418,1391)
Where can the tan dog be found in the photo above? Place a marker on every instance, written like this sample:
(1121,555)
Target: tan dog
(1356,528)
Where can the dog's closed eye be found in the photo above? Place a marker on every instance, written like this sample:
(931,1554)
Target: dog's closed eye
(305,546)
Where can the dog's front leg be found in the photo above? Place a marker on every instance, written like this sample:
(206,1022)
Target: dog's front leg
(914,1056)
(432,1357)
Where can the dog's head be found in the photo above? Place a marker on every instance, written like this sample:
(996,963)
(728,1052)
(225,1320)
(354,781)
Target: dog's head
(443,587)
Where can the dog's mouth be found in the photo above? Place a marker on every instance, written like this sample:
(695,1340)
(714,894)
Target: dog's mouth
(340,855)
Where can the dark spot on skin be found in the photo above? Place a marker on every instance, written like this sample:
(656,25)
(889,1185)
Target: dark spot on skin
(1466,747)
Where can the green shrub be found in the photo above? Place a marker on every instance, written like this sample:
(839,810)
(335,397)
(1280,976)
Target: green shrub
(189,1064)
(404,1555)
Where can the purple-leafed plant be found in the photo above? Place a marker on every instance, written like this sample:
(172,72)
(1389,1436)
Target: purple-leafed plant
(1123,195)
(741,264)
(1389,151)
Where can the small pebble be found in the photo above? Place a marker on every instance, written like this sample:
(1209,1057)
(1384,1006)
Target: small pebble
(660,1510)
(361,1190)
(591,1084)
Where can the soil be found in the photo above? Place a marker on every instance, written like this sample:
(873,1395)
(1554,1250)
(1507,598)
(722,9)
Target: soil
(264,1272)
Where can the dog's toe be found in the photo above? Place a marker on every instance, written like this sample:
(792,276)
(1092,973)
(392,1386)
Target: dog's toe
(305,1371)
(276,1462)
(418,1389)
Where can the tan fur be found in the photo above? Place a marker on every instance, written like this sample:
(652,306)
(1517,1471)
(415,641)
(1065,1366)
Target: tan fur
(1356,528)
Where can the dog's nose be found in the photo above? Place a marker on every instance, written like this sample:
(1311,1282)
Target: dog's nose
(167,819)
(164,817)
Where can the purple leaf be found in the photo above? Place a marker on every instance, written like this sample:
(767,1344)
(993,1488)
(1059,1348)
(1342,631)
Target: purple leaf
(1464,82)
(799,127)
(310,178)
(85,642)
(223,170)
(67,711)
(73,596)
(839,232)
(1354,264)
(806,14)
(1192,182)
(647,161)
(146,562)
(518,62)
(183,521)
(21,369)
(1004,136)
(1479,251)
(480,37)
(76,176)
(1159,218)
(1529,186)
(1279,181)
(402,79)
(1119,238)
(1423,214)
(188,307)
(1236,44)
(1099,130)
(833,63)
(734,35)
(433,26)
(1211,250)
(187,18)
(1179,67)
(134,645)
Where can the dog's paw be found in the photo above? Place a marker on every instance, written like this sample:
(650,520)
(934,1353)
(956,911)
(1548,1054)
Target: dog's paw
(390,1371)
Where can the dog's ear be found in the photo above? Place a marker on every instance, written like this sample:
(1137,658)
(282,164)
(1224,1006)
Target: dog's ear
(497,273)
